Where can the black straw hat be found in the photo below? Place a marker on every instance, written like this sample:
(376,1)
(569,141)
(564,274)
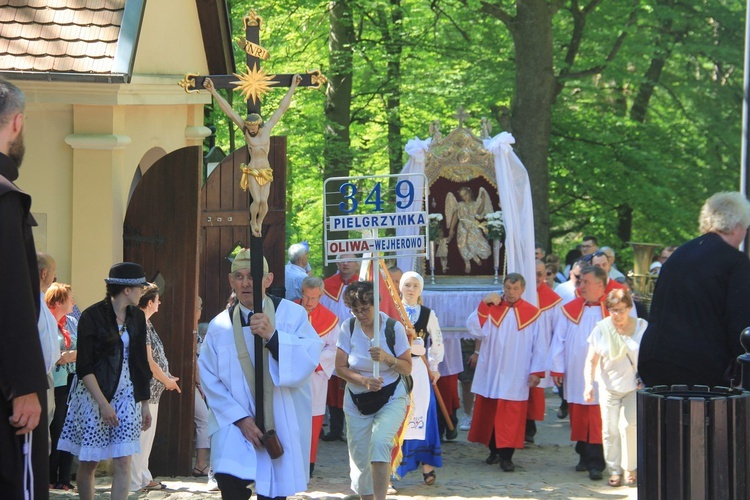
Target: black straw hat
(126,274)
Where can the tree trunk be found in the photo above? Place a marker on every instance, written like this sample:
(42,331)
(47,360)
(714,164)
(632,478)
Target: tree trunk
(531,29)
(625,223)
(337,149)
(339,90)
(394,46)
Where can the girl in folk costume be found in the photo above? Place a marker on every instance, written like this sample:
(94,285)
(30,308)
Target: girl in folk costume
(421,444)
(109,404)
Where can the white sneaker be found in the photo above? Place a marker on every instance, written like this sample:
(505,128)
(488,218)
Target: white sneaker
(212,484)
(465,423)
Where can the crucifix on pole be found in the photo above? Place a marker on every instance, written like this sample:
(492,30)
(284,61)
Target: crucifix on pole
(253,84)
(257,174)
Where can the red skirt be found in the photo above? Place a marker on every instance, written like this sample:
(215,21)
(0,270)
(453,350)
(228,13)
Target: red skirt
(506,418)
(335,396)
(585,423)
(536,404)
(448,387)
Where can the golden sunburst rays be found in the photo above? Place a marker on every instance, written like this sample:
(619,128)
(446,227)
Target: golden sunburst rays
(255,83)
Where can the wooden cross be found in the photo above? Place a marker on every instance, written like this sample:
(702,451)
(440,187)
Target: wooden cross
(255,82)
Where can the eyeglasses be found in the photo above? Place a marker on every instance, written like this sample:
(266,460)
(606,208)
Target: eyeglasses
(577,276)
(616,312)
(361,311)
(599,254)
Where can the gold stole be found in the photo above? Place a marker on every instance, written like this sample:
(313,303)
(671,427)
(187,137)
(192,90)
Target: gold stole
(247,363)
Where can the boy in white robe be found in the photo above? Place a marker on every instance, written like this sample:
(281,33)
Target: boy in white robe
(238,457)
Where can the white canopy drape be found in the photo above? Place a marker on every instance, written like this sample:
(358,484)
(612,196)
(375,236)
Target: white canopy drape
(515,197)
(416,149)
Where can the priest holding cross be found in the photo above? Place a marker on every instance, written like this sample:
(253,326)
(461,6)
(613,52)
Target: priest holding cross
(255,368)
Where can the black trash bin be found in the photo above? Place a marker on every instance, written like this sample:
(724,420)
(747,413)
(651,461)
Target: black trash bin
(693,443)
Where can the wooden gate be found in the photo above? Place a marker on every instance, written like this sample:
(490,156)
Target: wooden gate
(225,223)
(161,234)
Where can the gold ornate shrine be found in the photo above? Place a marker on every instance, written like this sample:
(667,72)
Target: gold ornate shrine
(463,189)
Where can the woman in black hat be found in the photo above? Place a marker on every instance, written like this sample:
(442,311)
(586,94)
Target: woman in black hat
(109,408)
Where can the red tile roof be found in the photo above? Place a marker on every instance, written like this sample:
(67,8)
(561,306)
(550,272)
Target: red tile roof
(67,36)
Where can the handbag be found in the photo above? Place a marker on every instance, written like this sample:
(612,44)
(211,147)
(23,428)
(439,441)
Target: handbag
(369,403)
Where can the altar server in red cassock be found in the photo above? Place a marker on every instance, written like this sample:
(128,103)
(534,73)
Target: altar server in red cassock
(566,363)
(549,303)
(333,299)
(511,360)
(324,322)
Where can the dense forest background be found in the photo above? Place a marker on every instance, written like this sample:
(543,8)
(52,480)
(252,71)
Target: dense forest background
(626,113)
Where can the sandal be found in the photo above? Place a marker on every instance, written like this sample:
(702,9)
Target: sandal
(429,477)
(631,479)
(153,485)
(200,472)
(615,480)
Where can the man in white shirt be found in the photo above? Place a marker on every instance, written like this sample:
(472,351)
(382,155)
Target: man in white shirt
(48,329)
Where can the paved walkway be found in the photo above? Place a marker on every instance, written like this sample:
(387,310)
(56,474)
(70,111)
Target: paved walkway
(544,470)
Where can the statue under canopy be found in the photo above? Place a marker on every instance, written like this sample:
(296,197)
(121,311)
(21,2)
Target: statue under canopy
(464,220)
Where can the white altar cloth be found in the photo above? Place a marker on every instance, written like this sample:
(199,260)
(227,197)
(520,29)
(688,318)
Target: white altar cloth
(452,305)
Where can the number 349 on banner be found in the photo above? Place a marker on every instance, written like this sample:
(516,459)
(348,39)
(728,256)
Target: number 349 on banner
(362,206)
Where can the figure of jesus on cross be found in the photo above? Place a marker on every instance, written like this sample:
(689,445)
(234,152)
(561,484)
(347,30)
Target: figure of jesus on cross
(257,175)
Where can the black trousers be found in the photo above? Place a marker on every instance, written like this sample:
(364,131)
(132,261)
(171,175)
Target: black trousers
(335,421)
(60,462)
(12,458)
(234,488)
(592,455)
(530,428)
(504,453)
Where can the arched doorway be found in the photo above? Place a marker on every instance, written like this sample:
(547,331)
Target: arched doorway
(161,233)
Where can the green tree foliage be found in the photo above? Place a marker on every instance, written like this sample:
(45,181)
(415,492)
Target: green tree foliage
(644,115)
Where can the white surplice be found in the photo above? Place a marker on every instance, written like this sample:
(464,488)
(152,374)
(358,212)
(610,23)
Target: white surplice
(545,327)
(319,379)
(507,357)
(229,398)
(568,352)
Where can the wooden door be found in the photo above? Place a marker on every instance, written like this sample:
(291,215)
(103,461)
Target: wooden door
(225,222)
(161,234)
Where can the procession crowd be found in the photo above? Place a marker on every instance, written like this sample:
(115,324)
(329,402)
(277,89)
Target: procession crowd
(387,378)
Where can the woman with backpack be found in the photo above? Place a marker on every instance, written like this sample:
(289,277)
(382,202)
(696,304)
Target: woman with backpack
(374,407)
